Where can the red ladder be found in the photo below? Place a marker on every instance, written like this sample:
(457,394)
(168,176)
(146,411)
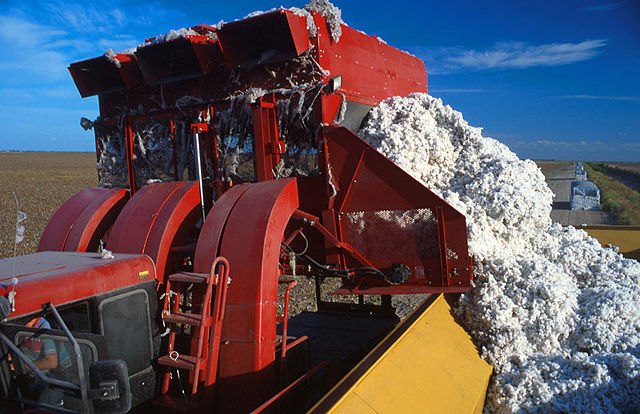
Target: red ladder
(209,322)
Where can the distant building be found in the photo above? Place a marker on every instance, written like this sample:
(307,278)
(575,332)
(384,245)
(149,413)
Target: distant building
(585,195)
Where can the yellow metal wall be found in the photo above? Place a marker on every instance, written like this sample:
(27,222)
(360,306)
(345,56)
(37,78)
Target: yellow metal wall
(627,238)
(433,367)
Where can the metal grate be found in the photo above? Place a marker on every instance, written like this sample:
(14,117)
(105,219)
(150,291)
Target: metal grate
(234,134)
(112,159)
(296,126)
(153,150)
(394,235)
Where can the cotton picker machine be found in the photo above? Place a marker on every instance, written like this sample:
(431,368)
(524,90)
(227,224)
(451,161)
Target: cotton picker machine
(229,176)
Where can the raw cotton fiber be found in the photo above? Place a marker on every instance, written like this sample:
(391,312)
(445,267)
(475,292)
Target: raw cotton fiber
(556,314)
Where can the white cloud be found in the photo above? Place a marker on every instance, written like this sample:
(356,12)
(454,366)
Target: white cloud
(83,18)
(118,44)
(86,18)
(30,49)
(15,94)
(604,97)
(518,55)
(150,14)
(457,90)
(508,55)
(579,146)
(603,7)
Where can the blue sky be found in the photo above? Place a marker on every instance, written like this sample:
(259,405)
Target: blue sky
(550,79)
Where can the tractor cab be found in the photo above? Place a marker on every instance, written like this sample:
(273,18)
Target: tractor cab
(92,351)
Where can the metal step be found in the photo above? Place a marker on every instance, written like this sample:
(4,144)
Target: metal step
(194,319)
(189,277)
(183,362)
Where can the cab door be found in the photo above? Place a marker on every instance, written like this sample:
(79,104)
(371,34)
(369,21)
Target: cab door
(18,382)
(128,321)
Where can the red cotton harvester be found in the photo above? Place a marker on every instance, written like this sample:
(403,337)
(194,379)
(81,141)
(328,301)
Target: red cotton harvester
(229,166)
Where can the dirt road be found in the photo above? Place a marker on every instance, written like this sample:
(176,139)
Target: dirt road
(559,175)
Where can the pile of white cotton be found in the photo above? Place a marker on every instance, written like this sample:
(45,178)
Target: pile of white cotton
(555,313)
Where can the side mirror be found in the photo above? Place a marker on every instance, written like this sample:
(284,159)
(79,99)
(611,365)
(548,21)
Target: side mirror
(109,387)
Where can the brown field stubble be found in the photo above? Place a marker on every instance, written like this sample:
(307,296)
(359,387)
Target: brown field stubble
(42,181)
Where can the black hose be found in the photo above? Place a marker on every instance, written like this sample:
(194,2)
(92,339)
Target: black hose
(334,272)
(331,271)
(370,270)
(345,274)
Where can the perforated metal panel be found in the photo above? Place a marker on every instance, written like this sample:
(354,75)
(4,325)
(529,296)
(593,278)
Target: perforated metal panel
(393,235)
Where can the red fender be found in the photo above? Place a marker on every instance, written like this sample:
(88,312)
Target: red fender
(82,220)
(256,218)
(208,247)
(156,218)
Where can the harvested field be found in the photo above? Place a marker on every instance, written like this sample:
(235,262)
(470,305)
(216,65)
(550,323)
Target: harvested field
(627,175)
(550,167)
(629,166)
(619,191)
(42,181)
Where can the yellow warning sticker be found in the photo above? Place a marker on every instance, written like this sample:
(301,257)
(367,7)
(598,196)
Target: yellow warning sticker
(144,274)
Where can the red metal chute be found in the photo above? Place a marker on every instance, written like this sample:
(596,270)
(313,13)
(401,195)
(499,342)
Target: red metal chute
(104,75)
(181,58)
(389,217)
(265,38)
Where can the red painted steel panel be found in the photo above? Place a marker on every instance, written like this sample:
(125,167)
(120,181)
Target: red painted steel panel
(178,59)
(95,220)
(209,56)
(174,222)
(129,70)
(153,218)
(267,145)
(379,204)
(95,76)
(101,75)
(74,210)
(251,242)
(64,277)
(330,107)
(131,229)
(122,221)
(299,31)
(371,70)
(208,246)
(269,37)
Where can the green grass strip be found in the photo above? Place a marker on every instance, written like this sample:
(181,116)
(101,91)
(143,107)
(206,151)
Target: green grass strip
(615,197)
